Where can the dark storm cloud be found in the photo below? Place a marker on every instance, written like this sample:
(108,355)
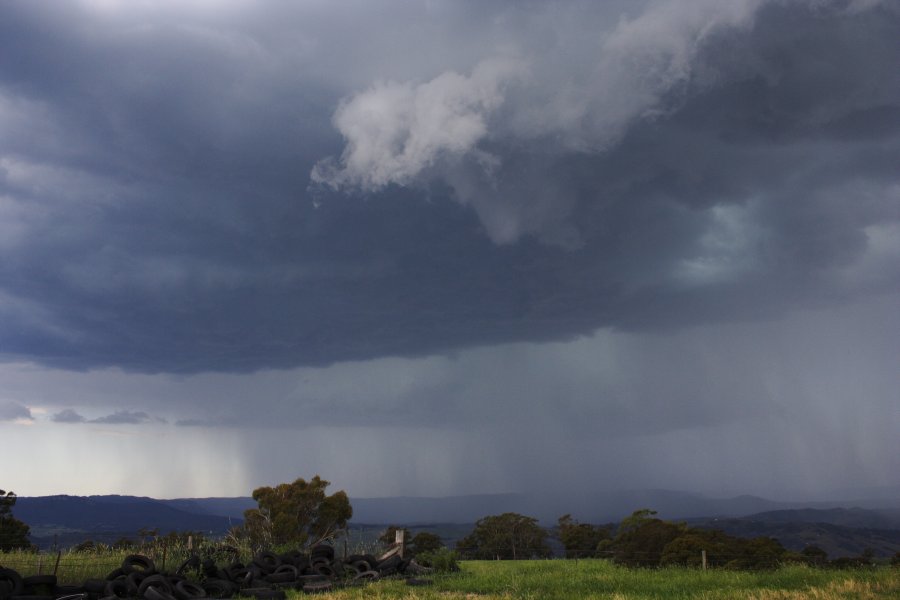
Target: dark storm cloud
(635,166)
(10,411)
(126,417)
(68,415)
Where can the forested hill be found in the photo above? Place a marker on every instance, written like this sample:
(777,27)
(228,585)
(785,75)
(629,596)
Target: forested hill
(68,519)
(838,531)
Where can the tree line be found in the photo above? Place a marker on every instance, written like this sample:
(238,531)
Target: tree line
(301,513)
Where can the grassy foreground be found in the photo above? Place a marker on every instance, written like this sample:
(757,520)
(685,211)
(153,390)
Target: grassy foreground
(571,580)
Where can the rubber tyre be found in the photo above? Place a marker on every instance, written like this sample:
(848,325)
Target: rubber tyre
(115,574)
(322,550)
(155,593)
(97,587)
(159,582)
(366,576)
(362,566)
(11,583)
(38,581)
(283,577)
(138,562)
(191,564)
(319,587)
(264,593)
(267,562)
(118,588)
(68,590)
(188,590)
(219,588)
(324,569)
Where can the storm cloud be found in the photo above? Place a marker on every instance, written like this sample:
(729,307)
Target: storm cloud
(497,220)
(10,411)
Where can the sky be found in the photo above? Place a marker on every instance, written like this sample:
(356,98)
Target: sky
(430,248)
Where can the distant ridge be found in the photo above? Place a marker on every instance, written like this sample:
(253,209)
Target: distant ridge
(72,519)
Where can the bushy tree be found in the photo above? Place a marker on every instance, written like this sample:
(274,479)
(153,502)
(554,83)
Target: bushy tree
(686,549)
(426,542)
(298,513)
(389,536)
(813,555)
(756,553)
(13,532)
(507,536)
(641,539)
(580,539)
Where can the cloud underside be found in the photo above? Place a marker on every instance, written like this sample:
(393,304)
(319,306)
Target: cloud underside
(644,168)
(119,417)
(14,411)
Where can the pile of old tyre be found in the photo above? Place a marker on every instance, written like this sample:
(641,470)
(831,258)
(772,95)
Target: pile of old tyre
(265,578)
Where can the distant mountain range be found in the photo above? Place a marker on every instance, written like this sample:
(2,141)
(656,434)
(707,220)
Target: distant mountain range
(839,531)
(841,528)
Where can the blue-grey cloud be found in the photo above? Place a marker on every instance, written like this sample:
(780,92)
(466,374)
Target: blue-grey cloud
(11,411)
(68,415)
(158,213)
(125,417)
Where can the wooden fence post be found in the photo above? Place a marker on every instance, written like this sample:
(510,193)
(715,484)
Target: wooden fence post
(398,539)
(703,558)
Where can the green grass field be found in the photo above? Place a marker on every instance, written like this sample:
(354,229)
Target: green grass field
(571,580)
(566,580)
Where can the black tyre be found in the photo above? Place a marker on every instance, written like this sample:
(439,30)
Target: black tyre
(219,588)
(319,587)
(322,550)
(324,569)
(35,582)
(363,565)
(155,593)
(191,564)
(115,574)
(188,590)
(366,576)
(63,591)
(117,587)
(264,593)
(267,562)
(97,587)
(157,582)
(10,583)
(282,577)
(235,574)
(138,562)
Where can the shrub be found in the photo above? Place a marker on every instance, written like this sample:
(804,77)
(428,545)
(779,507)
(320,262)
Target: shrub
(442,560)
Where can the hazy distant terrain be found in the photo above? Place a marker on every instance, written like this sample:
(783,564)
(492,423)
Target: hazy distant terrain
(840,528)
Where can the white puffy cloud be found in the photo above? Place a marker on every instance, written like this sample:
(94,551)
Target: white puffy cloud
(461,129)
(395,131)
